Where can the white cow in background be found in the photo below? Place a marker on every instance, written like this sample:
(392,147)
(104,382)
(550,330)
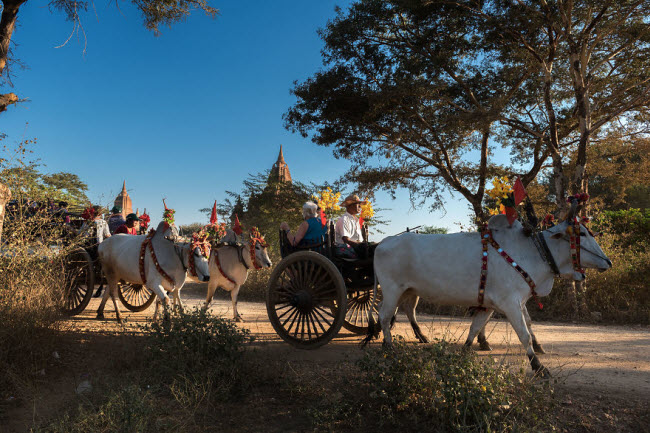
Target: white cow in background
(230,262)
(120,259)
(446,269)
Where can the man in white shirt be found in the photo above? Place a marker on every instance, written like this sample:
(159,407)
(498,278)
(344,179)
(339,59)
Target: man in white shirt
(348,230)
(348,236)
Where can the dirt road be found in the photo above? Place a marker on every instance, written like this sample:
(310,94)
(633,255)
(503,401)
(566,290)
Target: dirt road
(607,360)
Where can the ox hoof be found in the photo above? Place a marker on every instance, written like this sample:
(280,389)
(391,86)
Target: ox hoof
(239,319)
(100,316)
(484,346)
(423,339)
(387,347)
(543,373)
(538,348)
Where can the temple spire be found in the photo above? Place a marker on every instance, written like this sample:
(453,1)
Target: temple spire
(124,187)
(281,156)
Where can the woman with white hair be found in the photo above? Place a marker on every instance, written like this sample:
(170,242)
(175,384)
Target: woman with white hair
(310,230)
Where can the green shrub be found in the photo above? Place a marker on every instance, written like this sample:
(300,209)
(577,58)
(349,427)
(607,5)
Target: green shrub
(126,410)
(199,347)
(440,388)
(629,227)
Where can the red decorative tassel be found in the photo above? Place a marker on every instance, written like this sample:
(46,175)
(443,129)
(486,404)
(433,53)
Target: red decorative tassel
(213,216)
(237,227)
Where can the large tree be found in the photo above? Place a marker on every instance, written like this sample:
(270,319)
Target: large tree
(419,93)
(155,13)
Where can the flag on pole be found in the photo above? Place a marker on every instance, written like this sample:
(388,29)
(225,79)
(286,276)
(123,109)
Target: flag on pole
(511,214)
(519,191)
(213,215)
(323,218)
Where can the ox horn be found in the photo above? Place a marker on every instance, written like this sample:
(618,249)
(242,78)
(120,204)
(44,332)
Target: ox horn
(573,211)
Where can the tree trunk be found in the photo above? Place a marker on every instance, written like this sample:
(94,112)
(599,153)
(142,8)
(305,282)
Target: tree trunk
(5,195)
(7,25)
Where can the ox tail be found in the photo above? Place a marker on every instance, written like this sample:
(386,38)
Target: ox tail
(373,327)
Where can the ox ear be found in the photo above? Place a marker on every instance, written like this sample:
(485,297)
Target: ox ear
(573,211)
(556,235)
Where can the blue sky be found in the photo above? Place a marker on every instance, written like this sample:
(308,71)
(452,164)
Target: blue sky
(186,115)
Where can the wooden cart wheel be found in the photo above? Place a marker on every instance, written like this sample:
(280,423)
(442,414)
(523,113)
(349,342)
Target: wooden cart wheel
(79,281)
(302,297)
(358,306)
(135,297)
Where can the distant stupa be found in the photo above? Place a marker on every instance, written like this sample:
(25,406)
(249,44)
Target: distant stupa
(124,201)
(280,170)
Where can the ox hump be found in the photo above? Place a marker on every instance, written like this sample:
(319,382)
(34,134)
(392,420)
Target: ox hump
(500,222)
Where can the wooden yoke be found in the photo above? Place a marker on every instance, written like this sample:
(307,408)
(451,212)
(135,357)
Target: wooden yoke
(5,196)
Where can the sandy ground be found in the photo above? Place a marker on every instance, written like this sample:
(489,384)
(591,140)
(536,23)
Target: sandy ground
(598,360)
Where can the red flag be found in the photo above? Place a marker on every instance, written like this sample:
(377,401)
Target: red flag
(323,218)
(237,227)
(519,191)
(511,214)
(213,216)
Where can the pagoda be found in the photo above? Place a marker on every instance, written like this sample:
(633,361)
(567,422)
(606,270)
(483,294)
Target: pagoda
(123,201)
(280,170)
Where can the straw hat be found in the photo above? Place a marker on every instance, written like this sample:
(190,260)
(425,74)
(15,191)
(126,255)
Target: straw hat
(352,199)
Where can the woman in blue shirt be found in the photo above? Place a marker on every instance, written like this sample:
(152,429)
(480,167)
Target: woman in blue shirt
(310,231)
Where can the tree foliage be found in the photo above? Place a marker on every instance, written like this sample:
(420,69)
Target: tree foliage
(419,94)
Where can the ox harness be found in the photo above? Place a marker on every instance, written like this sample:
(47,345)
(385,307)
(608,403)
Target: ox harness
(486,238)
(573,230)
(240,248)
(143,250)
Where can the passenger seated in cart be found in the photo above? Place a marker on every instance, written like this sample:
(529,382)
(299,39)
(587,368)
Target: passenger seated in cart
(115,219)
(348,237)
(129,227)
(310,231)
(95,226)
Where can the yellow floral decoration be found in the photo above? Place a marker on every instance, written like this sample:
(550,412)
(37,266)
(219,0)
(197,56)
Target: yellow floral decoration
(367,211)
(328,200)
(500,189)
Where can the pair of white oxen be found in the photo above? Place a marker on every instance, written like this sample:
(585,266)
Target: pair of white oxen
(447,269)
(123,258)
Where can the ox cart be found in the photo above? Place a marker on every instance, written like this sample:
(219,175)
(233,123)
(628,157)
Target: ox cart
(83,273)
(313,292)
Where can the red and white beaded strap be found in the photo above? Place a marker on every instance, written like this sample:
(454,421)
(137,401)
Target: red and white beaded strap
(486,237)
(160,270)
(216,260)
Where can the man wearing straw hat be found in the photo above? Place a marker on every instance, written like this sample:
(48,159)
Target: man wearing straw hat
(348,236)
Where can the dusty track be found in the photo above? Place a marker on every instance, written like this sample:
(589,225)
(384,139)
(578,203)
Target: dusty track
(598,360)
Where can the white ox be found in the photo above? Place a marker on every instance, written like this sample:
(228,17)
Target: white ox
(235,260)
(446,269)
(120,259)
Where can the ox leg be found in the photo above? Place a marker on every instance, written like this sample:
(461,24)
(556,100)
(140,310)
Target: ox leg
(478,327)
(161,297)
(233,297)
(210,294)
(515,316)
(536,346)
(181,307)
(387,311)
(155,313)
(102,304)
(409,303)
(112,292)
